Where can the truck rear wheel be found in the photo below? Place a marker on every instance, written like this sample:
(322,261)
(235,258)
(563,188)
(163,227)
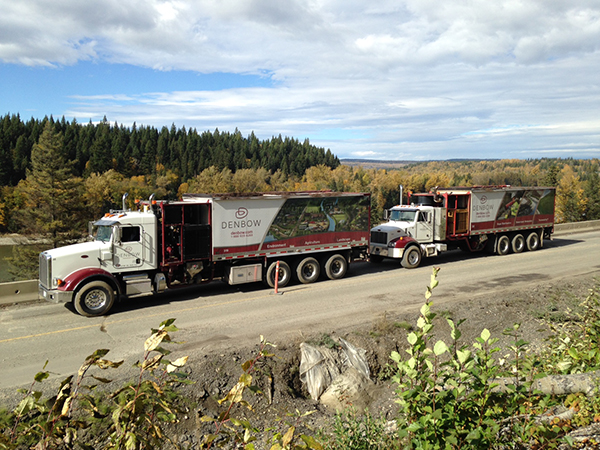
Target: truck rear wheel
(411,258)
(308,270)
(503,245)
(94,299)
(285,274)
(518,243)
(336,267)
(533,241)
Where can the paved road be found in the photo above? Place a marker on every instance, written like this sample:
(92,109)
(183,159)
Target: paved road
(217,316)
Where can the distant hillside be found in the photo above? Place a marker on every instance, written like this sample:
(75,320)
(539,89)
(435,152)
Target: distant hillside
(375,164)
(396,164)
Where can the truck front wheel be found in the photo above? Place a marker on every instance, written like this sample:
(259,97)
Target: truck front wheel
(308,270)
(94,299)
(336,267)
(411,258)
(285,274)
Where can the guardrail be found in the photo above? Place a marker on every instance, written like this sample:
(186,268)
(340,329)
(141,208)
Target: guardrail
(26,291)
(18,291)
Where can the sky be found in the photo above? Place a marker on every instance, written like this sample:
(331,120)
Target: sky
(385,80)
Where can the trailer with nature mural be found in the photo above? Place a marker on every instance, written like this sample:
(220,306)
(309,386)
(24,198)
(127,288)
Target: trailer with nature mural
(500,219)
(269,237)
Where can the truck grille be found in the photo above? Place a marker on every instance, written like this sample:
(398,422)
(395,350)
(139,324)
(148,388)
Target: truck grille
(378,237)
(45,270)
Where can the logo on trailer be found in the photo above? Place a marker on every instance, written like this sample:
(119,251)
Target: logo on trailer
(241,213)
(241,220)
(483,199)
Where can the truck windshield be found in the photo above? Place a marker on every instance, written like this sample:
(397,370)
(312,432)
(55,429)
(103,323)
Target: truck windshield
(103,233)
(403,215)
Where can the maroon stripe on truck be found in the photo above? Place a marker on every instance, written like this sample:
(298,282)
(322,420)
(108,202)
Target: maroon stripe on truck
(314,241)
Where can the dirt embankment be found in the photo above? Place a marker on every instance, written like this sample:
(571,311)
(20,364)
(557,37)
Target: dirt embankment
(285,397)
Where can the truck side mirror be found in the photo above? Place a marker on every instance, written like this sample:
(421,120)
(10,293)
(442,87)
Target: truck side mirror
(117,235)
(386,214)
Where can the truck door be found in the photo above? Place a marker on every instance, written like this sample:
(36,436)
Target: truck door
(128,248)
(424,228)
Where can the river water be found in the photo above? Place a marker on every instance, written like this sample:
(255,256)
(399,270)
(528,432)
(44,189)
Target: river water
(5,252)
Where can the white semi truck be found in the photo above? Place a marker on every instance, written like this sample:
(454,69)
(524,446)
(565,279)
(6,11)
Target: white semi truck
(500,219)
(235,238)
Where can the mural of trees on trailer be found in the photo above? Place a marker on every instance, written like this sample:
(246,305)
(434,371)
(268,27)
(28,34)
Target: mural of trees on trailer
(525,205)
(308,216)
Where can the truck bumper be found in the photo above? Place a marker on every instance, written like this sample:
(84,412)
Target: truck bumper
(387,252)
(54,295)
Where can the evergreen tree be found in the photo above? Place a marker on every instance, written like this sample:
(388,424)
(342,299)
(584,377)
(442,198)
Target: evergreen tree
(551,178)
(592,194)
(50,192)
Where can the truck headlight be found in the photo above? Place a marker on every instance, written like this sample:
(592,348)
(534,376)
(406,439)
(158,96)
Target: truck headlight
(394,242)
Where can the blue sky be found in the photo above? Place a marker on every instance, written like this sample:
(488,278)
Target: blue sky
(393,80)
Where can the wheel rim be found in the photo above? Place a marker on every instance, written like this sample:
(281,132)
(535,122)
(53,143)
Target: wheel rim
(309,270)
(519,244)
(280,276)
(533,241)
(336,267)
(413,257)
(95,299)
(503,245)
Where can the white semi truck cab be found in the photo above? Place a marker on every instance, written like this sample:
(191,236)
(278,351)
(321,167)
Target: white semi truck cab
(500,219)
(124,245)
(410,232)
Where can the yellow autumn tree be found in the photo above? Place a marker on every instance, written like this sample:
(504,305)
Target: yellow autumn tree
(317,178)
(102,192)
(250,180)
(211,181)
(570,197)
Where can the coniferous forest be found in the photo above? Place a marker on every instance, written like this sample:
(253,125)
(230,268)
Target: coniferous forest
(97,148)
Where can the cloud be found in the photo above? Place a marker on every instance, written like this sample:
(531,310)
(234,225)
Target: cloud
(411,77)
(245,35)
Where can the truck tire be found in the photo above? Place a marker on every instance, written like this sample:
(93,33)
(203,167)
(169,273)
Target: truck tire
(533,241)
(94,299)
(285,274)
(411,258)
(336,267)
(308,270)
(518,243)
(503,245)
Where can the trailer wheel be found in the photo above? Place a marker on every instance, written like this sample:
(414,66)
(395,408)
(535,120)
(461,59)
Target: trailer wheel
(336,267)
(518,243)
(411,258)
(533,241)
(285,274)
(503,245)
(94,299)
(308,270)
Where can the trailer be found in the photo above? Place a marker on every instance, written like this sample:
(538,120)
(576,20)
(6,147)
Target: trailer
(269,237)
(500,219)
